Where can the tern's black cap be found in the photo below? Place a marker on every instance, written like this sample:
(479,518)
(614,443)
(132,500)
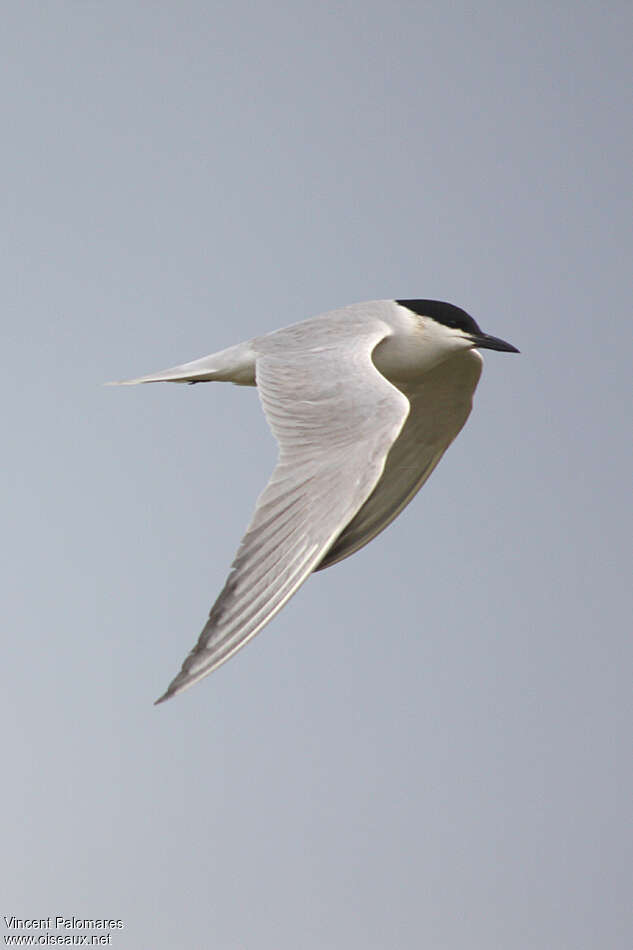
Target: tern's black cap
(446,313)
(456,318)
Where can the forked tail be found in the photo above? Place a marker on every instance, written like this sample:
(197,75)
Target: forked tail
(235,365)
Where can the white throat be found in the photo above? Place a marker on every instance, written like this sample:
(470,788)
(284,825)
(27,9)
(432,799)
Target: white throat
(416,345)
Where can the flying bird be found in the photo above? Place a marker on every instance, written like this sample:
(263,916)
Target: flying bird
(363,402)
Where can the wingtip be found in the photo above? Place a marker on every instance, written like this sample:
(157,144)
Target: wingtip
(177,685)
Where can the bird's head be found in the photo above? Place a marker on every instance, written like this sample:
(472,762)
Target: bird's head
(450,328)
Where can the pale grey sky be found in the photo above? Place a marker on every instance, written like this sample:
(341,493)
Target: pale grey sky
(430,746)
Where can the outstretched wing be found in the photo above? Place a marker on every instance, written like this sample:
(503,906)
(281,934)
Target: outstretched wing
(335,418)
(440,405)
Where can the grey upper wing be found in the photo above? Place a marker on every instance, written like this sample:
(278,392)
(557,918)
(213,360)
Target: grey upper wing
(440,405)
(335,418)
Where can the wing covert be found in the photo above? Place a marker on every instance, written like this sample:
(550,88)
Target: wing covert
(440,405)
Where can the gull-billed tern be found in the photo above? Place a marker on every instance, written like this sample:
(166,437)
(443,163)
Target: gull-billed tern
(363,402)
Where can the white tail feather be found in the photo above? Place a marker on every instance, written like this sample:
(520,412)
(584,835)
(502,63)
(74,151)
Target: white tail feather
(235,365)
